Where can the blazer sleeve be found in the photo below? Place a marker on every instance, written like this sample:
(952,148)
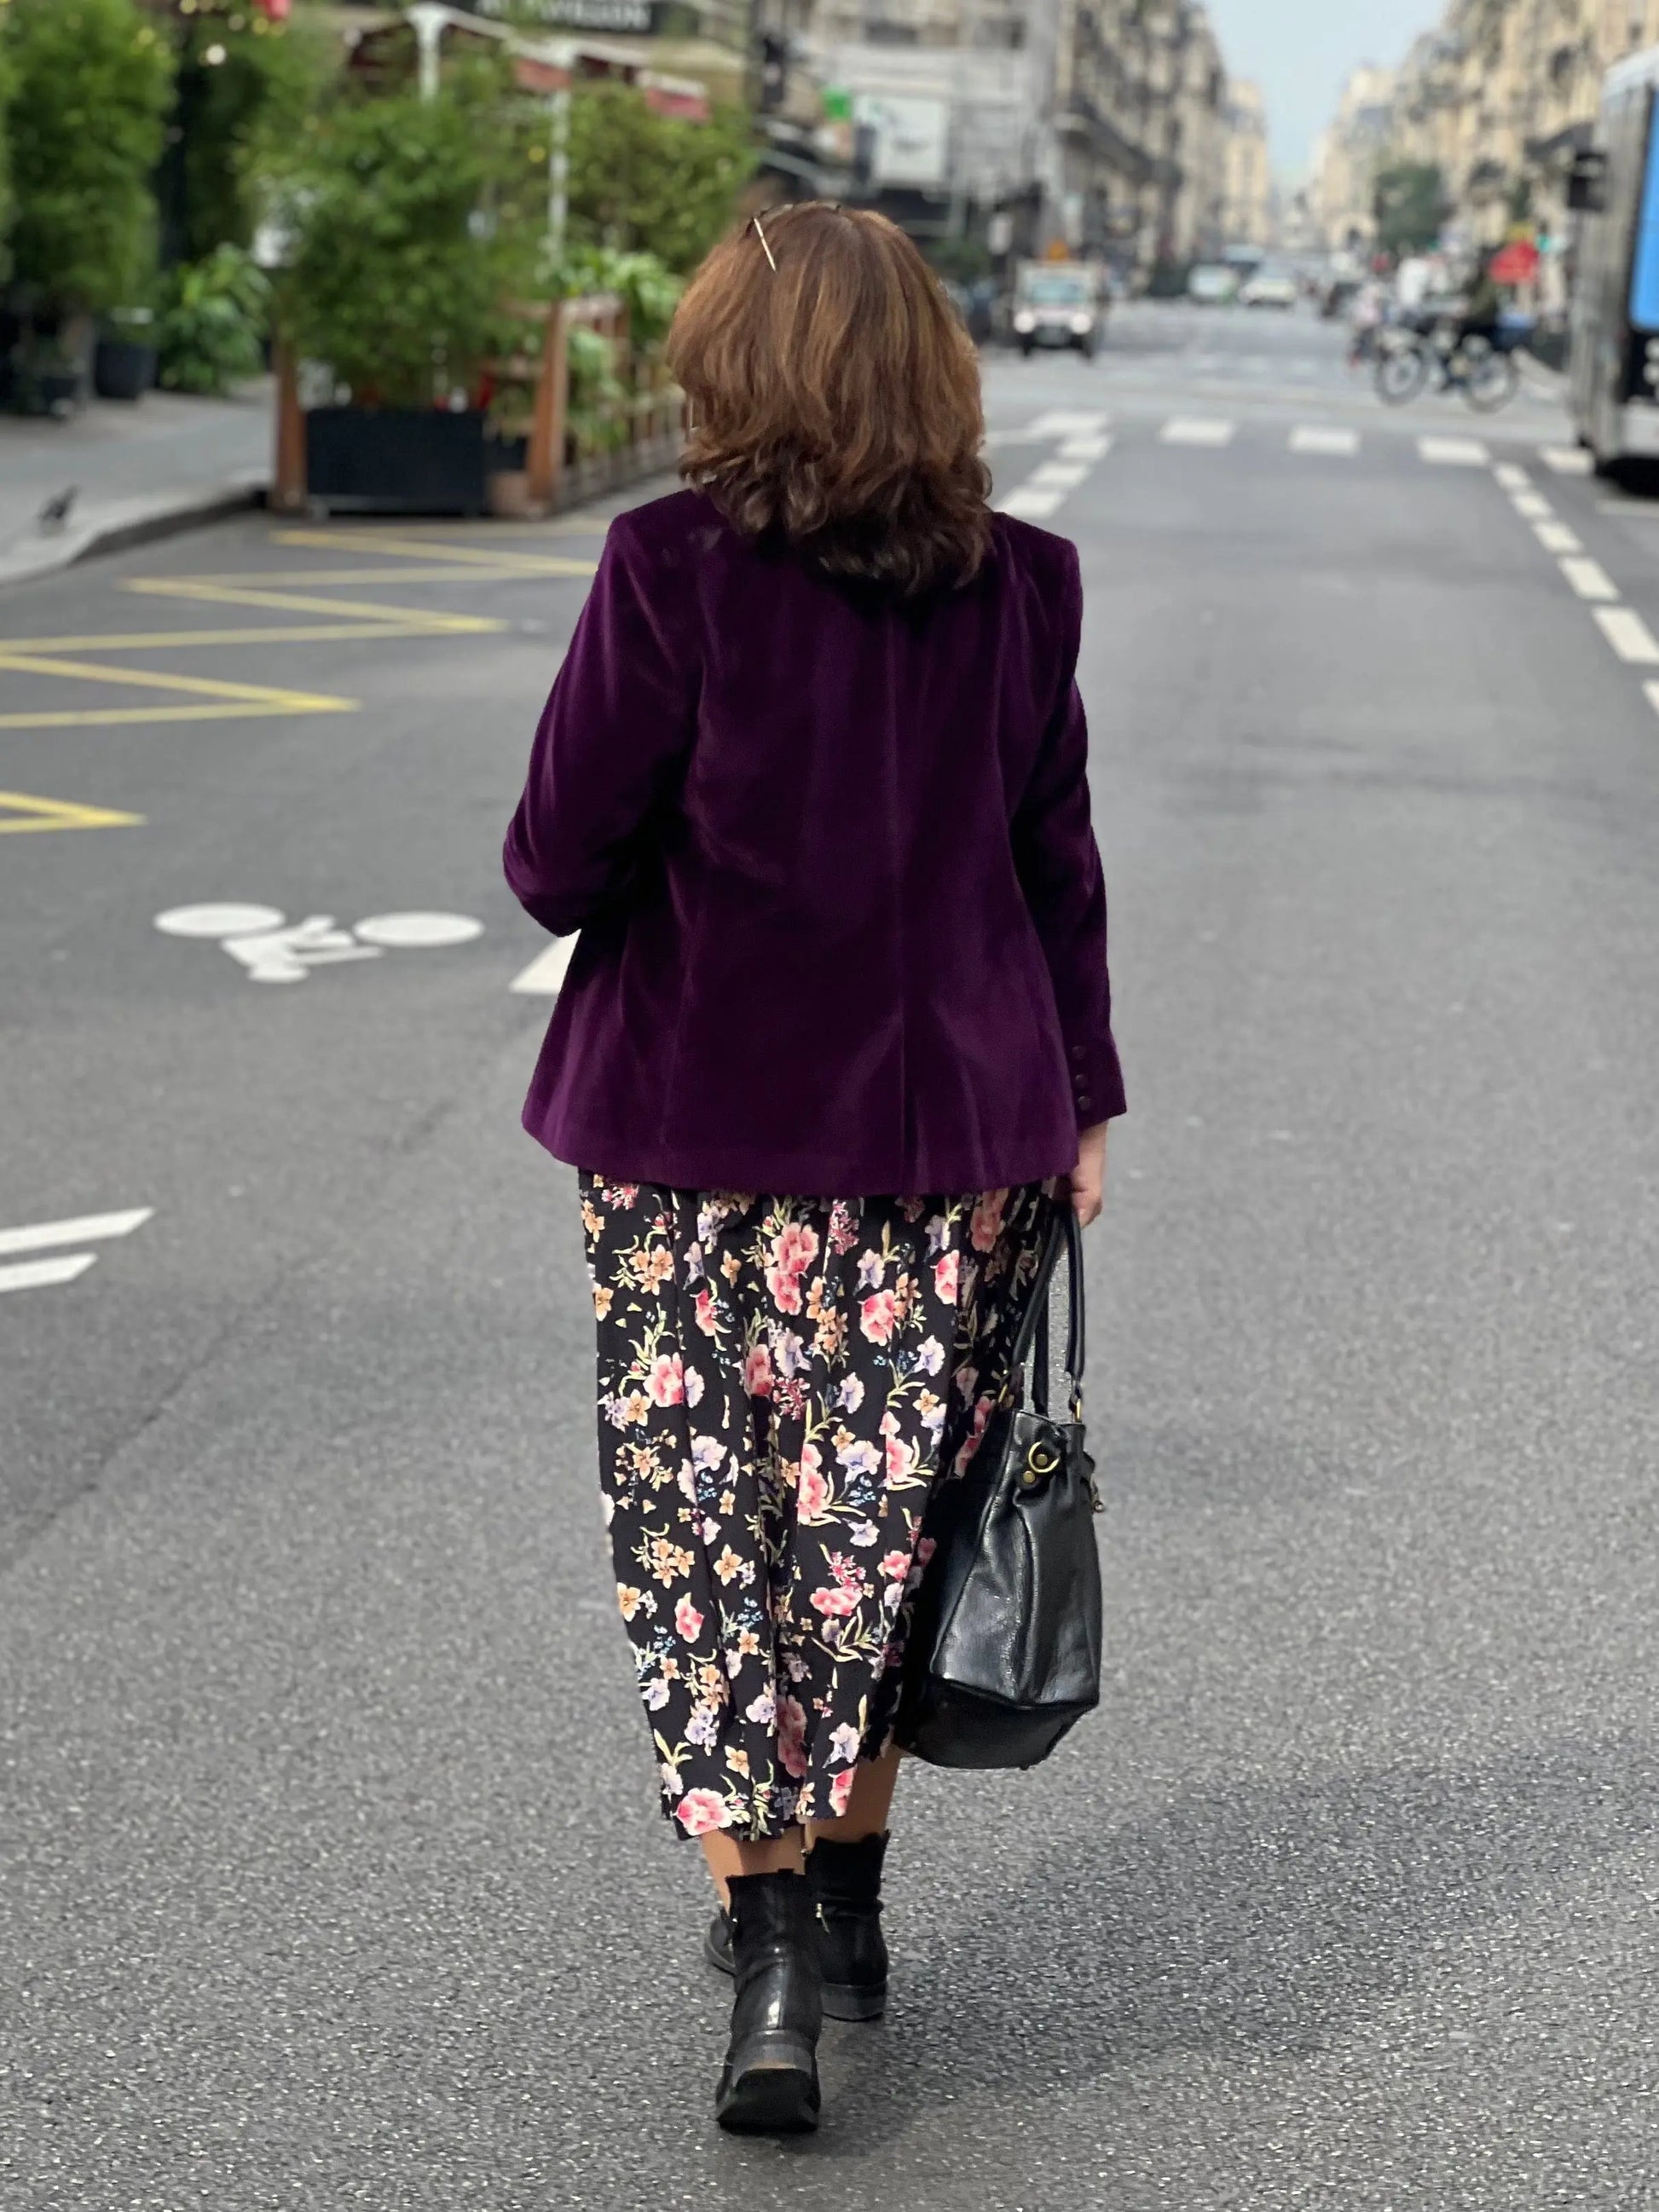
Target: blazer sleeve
(610,744)
(1060,870)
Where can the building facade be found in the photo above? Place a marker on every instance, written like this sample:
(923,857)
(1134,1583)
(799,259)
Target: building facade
(1248,217)
(1346,160)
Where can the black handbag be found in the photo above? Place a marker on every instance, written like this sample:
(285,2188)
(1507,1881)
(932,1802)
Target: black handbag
(1004,1653)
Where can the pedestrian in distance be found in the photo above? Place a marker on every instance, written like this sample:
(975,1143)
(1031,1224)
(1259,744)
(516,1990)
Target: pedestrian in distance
(834,1043)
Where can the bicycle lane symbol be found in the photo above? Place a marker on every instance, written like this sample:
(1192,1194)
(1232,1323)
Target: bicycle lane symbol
(272,950)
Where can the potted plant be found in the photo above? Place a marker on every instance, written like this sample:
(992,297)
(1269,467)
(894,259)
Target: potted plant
(123,364)
(88,96)
(211,333)
(408,241)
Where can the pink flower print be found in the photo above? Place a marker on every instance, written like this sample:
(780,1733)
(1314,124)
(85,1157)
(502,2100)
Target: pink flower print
(894,1565)
(946,1271)
(693,1386)
(876,1315)
(792,1737)
(986,1226)
(837,1602)
(925,1550)
(870,1267)
(972,1441)
(785,1289)
(666,1381)
(757,1372)
(700,1810)
(900,1459)
(703,1310)
(841,1789)
(795,1247)
(843,1230)
(688,1621)
(762,1709)
(813,1491)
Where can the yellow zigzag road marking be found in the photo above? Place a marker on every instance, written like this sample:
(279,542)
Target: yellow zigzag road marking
(239,595)
(248,698)
(58,814)
(146,640)
(416,549)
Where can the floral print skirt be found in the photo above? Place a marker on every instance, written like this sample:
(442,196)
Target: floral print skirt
(782,1381)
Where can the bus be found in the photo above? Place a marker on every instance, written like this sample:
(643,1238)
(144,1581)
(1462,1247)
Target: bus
(1613,368)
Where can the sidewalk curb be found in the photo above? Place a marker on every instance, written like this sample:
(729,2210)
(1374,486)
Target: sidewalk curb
(159,519)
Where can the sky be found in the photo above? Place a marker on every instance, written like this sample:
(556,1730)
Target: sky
(1299,52)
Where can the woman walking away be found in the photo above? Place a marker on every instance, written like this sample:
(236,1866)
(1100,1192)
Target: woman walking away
(835,1040)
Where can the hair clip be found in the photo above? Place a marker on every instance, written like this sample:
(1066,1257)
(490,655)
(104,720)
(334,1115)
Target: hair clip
(765,248)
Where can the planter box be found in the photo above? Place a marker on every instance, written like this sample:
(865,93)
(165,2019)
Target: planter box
(391,460)
(122,368)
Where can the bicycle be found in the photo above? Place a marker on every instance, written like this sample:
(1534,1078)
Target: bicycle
(1482,368)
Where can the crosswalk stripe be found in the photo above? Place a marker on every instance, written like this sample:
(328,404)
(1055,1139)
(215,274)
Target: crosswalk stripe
(41,1236)
(1628,636)
(1196,430)
(1094,447)
(36,1274)
(546,972)
(1566,460)
(1511,479)
(1060,475)
(1058,423)
(1031,504)
(1556,537)
(1589,579)
(1316,438)
(1453,453)
(1533,507)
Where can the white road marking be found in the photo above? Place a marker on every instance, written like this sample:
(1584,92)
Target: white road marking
(1533,505)
(1453,453)
(1196,430)
(1566,460)
(424,931)
(1031,505)
(217,920)
(1058,424)
(1061,475)
(1511,479)
(1313,438)
(1652,690)
(546,972)
(41,1236)
(1091,448)
(1556,537)
(1589,579)
(1628,636)
(36,1274)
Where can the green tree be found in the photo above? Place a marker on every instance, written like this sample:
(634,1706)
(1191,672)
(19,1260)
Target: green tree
(409,242)
(645,182)
(5,153)
(91,85)
(246,87)
(1408,200)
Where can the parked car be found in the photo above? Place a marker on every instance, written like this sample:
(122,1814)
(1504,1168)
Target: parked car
(1212,284)
(1269,287)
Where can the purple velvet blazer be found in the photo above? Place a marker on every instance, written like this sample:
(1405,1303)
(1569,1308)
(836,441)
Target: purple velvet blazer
(843,929)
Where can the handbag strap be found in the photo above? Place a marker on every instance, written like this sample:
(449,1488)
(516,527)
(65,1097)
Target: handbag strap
(1064,1233)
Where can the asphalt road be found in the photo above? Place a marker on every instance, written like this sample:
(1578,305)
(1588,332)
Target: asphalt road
(332,1871)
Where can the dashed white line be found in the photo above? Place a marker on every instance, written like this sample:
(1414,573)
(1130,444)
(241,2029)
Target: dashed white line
(1512,478)
(1652,690)
(1628,636)
(545,975)
(1196,430)
(1589,579)
(1453,453)
(1533,505)
(1061,475)
(1556,537)
(36,1274)
(1030,504)
(1058,423)
(1313,438)
(1566,460)
(1094,447)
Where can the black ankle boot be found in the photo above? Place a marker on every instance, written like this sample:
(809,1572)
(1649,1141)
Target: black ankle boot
(845,1880)
(769,2084)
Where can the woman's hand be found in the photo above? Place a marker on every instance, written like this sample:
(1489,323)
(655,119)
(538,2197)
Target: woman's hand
(1089,1175)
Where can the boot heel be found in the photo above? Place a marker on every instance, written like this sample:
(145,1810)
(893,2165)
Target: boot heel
(854,2000)
(770,2087)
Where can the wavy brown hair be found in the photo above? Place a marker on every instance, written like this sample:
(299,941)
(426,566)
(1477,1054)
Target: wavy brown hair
(835,399)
